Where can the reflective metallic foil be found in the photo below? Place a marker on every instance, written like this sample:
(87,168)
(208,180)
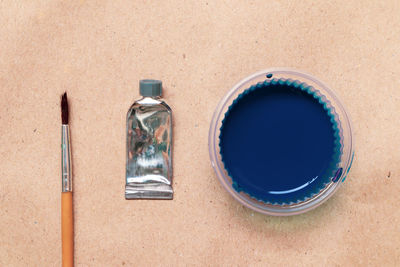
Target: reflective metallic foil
(149,150)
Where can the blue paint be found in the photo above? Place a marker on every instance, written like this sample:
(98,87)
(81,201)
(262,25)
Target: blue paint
(337,175)
(280,142)
(348,169)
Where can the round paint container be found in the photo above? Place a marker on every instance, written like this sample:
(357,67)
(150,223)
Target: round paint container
(281,142)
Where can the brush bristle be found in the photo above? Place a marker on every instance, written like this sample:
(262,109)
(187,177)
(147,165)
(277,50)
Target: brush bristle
(64,108)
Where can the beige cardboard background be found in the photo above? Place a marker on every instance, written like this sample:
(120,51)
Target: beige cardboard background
(98,50)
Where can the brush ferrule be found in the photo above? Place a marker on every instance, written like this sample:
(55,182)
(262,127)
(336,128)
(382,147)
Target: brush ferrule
(66,166)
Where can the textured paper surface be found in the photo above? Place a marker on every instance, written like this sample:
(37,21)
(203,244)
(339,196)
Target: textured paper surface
(98,50)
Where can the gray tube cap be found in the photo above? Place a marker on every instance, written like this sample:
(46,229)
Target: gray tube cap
(150,87)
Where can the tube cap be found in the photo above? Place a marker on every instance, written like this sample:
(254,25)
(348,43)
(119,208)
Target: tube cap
(150,87)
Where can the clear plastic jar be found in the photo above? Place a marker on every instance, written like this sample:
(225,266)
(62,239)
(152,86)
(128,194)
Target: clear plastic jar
(346,142)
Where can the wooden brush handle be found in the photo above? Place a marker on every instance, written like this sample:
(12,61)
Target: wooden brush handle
(67,229)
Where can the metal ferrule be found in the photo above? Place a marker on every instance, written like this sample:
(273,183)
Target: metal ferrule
(66,166)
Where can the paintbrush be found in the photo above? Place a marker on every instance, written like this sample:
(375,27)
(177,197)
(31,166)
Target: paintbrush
(67,214)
